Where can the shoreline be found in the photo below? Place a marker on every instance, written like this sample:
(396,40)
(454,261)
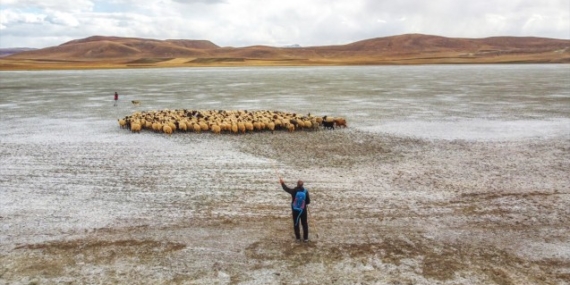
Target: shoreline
(39,65)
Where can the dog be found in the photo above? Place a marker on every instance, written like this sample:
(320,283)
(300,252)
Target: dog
(136,102)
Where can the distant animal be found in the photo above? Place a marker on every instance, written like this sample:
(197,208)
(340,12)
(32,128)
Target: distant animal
(328,125)
(340,122)
(216,129)
(136,102)
(122,123)
(167,129)
(136,127)
(328,122)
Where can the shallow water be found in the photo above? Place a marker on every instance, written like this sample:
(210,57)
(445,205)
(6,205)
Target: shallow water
(480,102)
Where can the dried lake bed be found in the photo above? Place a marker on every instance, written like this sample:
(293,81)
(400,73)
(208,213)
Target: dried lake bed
(445,175)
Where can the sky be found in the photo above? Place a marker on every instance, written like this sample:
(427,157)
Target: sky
(240,23)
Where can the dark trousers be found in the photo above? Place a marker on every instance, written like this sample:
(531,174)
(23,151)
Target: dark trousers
(302,220)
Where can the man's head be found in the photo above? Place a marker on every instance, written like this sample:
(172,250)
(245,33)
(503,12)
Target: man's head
(299,183)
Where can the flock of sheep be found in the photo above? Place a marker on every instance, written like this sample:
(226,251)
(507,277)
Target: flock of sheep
(224,121)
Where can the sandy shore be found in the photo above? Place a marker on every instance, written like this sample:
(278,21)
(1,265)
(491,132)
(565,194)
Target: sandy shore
(414,59)
(204,209)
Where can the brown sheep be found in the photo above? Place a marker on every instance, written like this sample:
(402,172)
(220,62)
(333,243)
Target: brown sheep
(171,125)
(278,123)
(257,126)
(226,127)
(157,127)
(203,126)
(136,127)
(290,127)
(196,127)
(241,127)
(340,122)
(315,124)
(271,127)
(232,121)
(182,126)
(167,129)
(248,126)
(300,124)
(122,123)
(216,129)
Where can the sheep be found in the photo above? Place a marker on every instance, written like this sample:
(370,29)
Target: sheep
(300,124)
(308,124)
(182,126)
(122,123)
(241,127)
(234,128)
(225,127)
(231,121)
(203,126)
(314,124)
(257,126)
(248,126)
(328,125)
(171,125)
(328,122)
(216,129)
(271,127)
(157,127)
(135,127)
(290,127)
(196,127)
(278,123)
(340,122)
(167,129)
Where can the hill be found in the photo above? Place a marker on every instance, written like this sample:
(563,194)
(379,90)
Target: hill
(11,51)
(102,51)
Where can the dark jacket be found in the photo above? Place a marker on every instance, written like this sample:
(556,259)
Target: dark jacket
(293,192)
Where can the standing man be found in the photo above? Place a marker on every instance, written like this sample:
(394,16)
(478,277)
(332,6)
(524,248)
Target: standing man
(116,98)
(299,201)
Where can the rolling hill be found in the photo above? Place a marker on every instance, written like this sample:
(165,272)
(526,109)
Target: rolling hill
(11,51)
(120,52)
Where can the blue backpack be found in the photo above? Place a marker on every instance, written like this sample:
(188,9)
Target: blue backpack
(299,201)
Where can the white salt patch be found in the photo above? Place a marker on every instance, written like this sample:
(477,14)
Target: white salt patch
(476,129)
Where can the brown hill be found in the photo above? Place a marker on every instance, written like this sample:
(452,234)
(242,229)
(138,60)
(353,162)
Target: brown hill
(113,48)
(11,51)
(417,48)
(104,51)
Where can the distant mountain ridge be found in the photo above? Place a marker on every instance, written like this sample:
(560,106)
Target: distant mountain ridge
(11,51)
(402,49)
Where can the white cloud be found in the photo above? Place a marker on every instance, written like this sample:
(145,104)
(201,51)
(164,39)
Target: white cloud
(56,5)
(64,19)
(276,22)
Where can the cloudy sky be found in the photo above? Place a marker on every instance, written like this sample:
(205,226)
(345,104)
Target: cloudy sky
(238,23)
